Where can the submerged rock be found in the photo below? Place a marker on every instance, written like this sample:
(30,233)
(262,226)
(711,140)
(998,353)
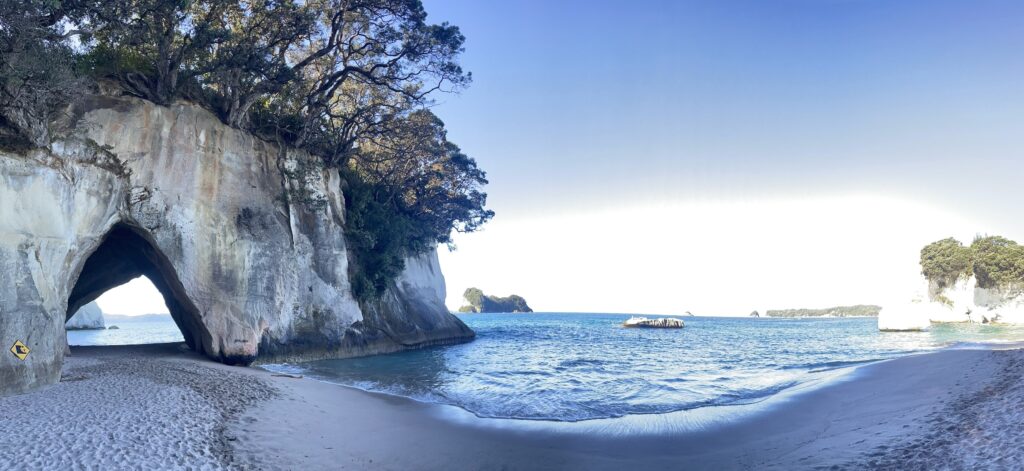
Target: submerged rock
(660,323)
(243,238)
(88,317)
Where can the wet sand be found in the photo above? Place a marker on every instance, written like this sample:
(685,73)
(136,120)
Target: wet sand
(160,407)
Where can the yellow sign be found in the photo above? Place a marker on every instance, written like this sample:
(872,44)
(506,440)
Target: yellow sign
(20,350)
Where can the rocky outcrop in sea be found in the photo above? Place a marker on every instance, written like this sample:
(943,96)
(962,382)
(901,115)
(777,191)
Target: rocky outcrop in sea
(88,317)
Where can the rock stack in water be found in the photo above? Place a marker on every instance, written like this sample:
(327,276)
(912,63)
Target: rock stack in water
(89,317)
(662,323)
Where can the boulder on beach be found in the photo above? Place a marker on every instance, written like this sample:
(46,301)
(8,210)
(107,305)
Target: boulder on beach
(88,317)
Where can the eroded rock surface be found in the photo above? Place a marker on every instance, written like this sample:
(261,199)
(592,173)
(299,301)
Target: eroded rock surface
(88,317)
(243,238)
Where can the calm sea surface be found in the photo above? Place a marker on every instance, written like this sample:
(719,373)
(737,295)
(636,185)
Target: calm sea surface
(129,332)
(572,367)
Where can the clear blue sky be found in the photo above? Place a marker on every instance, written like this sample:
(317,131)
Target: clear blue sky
(684,97)
(593,108)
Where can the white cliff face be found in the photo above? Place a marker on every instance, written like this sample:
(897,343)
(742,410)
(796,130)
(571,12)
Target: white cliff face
(244,239)
(422,278)
(89,316)
(1003,306)
(965,301)
(953,303)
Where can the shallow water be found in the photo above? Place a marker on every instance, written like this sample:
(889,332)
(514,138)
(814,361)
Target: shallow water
(572,367)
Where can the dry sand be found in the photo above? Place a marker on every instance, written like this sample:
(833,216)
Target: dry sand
(159,407)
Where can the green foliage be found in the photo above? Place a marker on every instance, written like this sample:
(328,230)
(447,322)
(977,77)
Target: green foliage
(996,262)
(379,238)
(36,71)
(406,192)
(479,302)
(946,261)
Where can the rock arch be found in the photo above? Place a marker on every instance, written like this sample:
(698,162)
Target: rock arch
(128,252)
(244,239)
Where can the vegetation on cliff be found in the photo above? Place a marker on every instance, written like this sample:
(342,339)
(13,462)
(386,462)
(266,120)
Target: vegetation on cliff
(859,310)
(350,82)
(995,262)
(945,261)
(480,302)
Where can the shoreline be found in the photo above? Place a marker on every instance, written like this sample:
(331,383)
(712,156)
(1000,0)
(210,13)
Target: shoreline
(707,413)
(832,424)
(162,406)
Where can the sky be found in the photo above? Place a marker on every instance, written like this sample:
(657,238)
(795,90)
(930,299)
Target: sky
(724,156)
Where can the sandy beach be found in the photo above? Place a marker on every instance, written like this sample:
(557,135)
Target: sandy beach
(160,406)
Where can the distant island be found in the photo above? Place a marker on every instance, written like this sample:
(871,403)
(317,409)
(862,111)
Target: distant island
(860,310)
(480,302)
(139,317)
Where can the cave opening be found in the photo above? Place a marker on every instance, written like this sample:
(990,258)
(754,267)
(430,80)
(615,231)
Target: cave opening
(128,262)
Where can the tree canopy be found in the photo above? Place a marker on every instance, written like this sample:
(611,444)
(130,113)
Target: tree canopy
(993,260)
(350,81)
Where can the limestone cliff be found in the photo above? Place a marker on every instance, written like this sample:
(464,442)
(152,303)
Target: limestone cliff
(88,317)
(967,301)
(243,238)
(959,301)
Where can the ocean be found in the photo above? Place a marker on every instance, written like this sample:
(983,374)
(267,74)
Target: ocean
(129,331)
(577,367)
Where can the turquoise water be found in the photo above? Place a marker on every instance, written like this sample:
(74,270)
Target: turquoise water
(573,367)
(130,332)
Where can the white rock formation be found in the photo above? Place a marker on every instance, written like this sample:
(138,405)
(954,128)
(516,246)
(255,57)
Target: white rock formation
(953,303)
(88,317)
(965,301)
(1002,306)
(904,317)
(243,238)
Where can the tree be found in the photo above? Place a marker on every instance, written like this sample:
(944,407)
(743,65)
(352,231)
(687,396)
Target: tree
(36,73)
(156,48)
(371,61)
(945,261)
(998,262)
(422,174)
